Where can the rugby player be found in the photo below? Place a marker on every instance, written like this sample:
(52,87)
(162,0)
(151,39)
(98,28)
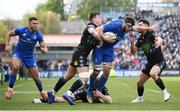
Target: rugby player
(79,62)
(23,53)
(156,63)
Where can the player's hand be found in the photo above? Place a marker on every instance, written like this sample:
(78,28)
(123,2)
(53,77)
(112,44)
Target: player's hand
(131,37)
(99,44)
(155,28)
(158,42)
(96,93)
(43,50)
(8,48)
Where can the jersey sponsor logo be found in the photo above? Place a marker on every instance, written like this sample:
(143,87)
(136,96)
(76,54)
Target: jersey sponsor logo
(34,37)
(28,41)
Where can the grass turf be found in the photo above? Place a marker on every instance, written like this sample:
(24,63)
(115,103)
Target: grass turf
(122,90)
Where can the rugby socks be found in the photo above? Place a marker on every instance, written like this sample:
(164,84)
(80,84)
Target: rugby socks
(140,90)
(102,82)
(12,80)
(76,85)
(91,83)
(59,84)
(160,83)
(39,85)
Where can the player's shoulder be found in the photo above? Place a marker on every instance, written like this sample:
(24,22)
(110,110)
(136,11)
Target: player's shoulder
(91,25)
(150,32)
(38,33)
(21,28)
(117,21)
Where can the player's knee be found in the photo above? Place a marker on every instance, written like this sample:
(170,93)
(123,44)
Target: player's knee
(154,75)
(95,73)
(15,67)
(96,70)
(106,69)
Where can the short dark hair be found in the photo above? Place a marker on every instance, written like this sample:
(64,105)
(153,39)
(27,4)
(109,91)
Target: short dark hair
(144,21)
(92,15)
(32,18)
(129,20)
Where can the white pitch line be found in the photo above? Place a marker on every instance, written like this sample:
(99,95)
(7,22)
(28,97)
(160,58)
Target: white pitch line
(124,84)
(25,92)
(155,91)
(19,85)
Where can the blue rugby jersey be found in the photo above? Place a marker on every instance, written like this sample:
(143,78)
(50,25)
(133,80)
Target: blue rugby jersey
(27,41)
(115,27)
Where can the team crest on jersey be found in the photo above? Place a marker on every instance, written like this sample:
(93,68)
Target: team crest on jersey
(75,62)
(24,34)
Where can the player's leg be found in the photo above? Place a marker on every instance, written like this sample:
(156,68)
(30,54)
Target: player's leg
(104,77)
(140,87)
(155,74)
(71,71)
(82,68)
(83,73)
(97,60)
(16,62)
(35,75)
(30,64)
(108,58)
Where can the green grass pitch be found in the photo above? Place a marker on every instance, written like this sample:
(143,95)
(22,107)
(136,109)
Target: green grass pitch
(122,90)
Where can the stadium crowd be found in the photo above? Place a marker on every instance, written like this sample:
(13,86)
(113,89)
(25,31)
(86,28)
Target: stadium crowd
(169,30)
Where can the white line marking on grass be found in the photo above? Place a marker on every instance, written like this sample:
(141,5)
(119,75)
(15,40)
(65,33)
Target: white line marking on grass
(19,85)
(124,84)
(25,92)
(155,91)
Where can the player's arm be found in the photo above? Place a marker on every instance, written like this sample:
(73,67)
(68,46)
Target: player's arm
(101,33)
(7,40)
(60,100)
(102,98)
(158,41)
(43,47)
(95,34)
(133,47)
(144,28)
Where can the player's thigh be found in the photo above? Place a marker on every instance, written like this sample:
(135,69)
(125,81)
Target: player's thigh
(97,56)
(71,71)
(29,62)
(16,62)
(155,71)
(142,79)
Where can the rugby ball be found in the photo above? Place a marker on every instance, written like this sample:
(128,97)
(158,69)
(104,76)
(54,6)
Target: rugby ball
(110,34)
